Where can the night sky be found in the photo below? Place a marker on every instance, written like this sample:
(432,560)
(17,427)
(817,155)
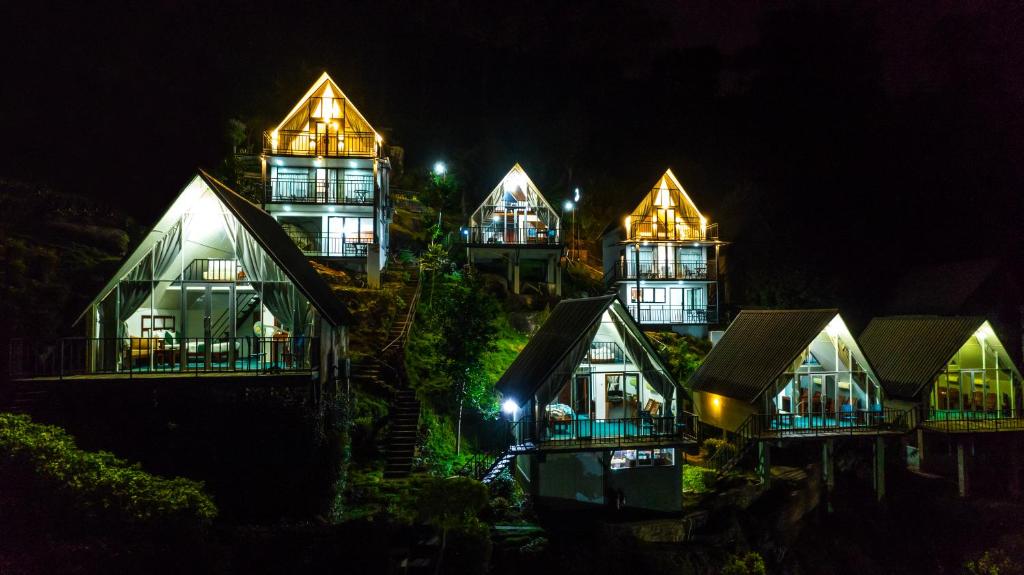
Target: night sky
(836,143)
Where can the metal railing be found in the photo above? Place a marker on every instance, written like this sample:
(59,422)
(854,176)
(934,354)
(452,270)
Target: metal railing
(348,190)
(67,357)
(665,314)
(952,421)
(583,432)
(684,229)
(605,352)
(664,270)
(213,270)
(329,245)
(495,235)
(342,144)
(836,422)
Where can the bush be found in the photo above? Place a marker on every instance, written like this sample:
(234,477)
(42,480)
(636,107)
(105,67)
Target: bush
(714,446)
(96,487)
(697,479)
(1003,559)
(747,564)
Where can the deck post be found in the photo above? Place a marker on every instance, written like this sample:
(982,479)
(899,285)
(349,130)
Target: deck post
(920,448)
(515,273)
(879,475)
(828,471)
(764,462)
(961,469)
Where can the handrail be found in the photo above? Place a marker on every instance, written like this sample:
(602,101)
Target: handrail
(683,229)
(583,432)
(953,421)
(669,314)
(345,190)
(664,270)
(332,143)
(410,314)
(330,245)
(497,235)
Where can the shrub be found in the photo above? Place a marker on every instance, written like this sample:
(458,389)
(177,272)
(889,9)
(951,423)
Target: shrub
(697,479)
(96,486)
(713,446)
(1003,559)
(747,564)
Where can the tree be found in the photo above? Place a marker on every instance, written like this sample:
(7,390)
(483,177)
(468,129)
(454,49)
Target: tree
(466,320)
(451,503)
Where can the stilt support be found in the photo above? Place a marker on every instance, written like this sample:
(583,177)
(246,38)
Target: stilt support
(961,470)
(879,475)
(828,471)
(764,462)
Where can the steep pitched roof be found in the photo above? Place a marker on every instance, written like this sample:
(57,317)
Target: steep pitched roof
(757,347)
(563,331)
(328,91)
(908,352)
(667,192)
(273,239)
(267,233)
(517,184)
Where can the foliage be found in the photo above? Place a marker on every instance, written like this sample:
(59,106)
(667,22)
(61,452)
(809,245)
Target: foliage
(682,354)
(714,445)
(1003,559)
(451,503)
(697,479)
(438,449)
(747,564)
(96,486)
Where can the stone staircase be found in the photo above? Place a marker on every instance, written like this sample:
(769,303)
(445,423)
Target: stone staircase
(405,408)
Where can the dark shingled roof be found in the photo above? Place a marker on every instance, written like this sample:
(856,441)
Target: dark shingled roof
(568,322)
(757,347)
(273,239)
(907,352)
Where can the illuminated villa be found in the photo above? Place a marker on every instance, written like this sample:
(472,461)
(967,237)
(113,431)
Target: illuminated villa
(325,179)
(513,226)
(663,261)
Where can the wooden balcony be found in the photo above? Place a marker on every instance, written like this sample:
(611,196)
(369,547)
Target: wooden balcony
(324,144)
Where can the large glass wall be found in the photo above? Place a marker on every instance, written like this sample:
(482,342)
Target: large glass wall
(203,297)
(615,391)
(978,382)
(827,386)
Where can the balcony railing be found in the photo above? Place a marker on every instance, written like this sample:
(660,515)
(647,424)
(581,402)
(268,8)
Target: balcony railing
(349,190)
(488,235)
(666,315)
(208,270)
(605,352)
(956,421)
(837,422)
(68,357)
(664,270)
(326,144)
(582,432)
(683,229)
(331,245)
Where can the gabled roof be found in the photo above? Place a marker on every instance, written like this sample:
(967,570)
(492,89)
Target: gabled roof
(757,348)
(517,184)
(282,249)
(326,88)
(564,332)
(667,192)
(267,233)
(908,352)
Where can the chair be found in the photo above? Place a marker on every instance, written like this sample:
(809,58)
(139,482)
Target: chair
(653,408)
(846,414)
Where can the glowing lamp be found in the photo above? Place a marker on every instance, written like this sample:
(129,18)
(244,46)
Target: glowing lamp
(440,168)
(510,407)
(568,204)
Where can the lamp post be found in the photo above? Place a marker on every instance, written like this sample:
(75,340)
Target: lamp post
(570,206)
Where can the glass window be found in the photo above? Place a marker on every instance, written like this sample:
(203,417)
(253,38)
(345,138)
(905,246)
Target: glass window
(630,458)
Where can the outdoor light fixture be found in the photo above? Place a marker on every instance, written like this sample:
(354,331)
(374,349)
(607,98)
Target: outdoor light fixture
(576,195)
(287,208)
(568,204)
(510,407)
(439,168)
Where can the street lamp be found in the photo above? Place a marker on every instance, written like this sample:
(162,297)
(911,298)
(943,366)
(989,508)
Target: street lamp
(440,169)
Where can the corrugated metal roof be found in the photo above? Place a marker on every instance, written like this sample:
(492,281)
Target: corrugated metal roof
(758,346)
(562,331)
(907,352)
(273,239)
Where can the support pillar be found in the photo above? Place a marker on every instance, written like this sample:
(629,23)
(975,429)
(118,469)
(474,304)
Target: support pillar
(920,449)
(515,274)
(961,469)
(879,475)
(509,276)
(1014,467)
(373,266)
(764,462)
(828,471)
(558,277)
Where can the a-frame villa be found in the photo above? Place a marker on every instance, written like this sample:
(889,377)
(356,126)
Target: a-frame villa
(792,375)
(956,375)
(516,224)
(325,178)
(662,261)
(594,412)
(216,286)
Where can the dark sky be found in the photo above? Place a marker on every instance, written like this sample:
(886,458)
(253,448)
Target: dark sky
(838,140)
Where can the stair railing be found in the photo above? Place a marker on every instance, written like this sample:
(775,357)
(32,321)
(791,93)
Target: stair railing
(410,315)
